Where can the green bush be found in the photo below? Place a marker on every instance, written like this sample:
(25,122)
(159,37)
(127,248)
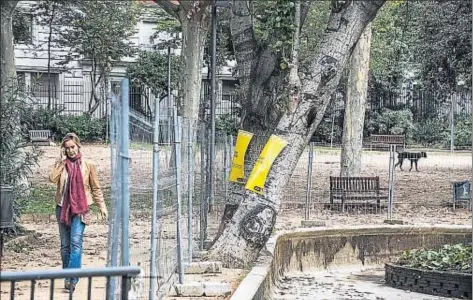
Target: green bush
(387,121)
(436,133)
(324,130)
(16,158)
(463,131)
(85,126)
(431,133)
(226,124)
(450,258)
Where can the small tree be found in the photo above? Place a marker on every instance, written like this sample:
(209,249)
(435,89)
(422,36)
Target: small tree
(98,31)
(151,70)
(16,156)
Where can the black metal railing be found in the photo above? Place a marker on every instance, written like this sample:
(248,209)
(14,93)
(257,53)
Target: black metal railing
(125,273)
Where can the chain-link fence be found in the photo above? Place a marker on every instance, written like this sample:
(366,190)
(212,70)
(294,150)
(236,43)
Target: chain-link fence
(146,197)
(207,214)
(422,192)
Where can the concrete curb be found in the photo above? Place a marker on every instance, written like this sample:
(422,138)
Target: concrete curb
(254,285)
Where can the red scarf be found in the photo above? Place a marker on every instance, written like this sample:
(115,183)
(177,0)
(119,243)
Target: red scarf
(75,201)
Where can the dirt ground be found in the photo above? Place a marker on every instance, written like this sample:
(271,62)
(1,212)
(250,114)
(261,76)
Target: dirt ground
(420,198)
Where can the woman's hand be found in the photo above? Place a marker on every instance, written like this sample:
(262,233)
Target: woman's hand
(61,159)
(104,213)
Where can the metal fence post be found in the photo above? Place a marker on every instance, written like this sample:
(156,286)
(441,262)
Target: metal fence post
(226,156)
(154,225)
(177,157)
(309,181)
(125,143)
(115,167)
(203,189)
(392,151)
(190,190)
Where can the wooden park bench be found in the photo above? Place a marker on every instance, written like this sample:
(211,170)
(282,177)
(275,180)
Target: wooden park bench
(40,137)
(382,142)
(356,191)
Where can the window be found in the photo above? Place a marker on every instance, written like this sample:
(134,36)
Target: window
(21,79)
(42,87)
(22,28)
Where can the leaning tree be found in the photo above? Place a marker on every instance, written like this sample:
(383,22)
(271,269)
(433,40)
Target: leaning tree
(274,102)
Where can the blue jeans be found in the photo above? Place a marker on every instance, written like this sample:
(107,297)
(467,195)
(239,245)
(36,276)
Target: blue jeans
(71,242)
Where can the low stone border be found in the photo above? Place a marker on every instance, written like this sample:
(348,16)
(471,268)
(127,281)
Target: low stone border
(447,284)
(317,248)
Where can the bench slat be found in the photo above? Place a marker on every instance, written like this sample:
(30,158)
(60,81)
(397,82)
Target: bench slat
(355,189)
(39,135)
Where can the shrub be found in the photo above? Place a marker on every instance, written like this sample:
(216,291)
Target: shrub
(226,124)
(85,126)
(388,121)
(431,133)
(463,131)
(16,158)
(450,258)
(436,132)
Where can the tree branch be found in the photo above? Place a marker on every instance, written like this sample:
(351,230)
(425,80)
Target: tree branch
(305,7)
(169,7)
(243,37)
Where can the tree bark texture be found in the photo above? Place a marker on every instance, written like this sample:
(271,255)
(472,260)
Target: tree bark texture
(194,32)
(355,106)
(265,113)
(193,17)
(8,69)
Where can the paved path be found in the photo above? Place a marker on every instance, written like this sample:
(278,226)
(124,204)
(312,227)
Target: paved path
(341,284)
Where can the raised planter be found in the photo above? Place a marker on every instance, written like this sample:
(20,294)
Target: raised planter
(447,284)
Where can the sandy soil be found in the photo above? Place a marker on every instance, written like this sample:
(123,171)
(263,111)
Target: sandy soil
(421,198)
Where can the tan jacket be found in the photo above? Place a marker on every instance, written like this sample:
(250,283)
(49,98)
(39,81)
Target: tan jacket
(92,188)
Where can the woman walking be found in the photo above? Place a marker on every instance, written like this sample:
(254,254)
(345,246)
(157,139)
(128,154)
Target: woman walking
(77,188)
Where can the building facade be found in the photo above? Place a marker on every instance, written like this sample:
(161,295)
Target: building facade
(70,86)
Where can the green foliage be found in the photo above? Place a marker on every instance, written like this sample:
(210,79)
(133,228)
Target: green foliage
(22,24)
(312,31)
(388,46)
(274,26)
(166,23)
(85,126)
(98,30)
(88,128)
(16,158)
(275,22)
(40,200)
(324,130)
(151,69)
(429,39)
(463,131)
(226,124)
(450,258)
(441,42)
(436,132)
(389,121)
(431,133)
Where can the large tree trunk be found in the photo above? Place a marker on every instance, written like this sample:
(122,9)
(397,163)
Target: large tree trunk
(193,17)
(357,89)
(194,32)
(8,69)
(254,219)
